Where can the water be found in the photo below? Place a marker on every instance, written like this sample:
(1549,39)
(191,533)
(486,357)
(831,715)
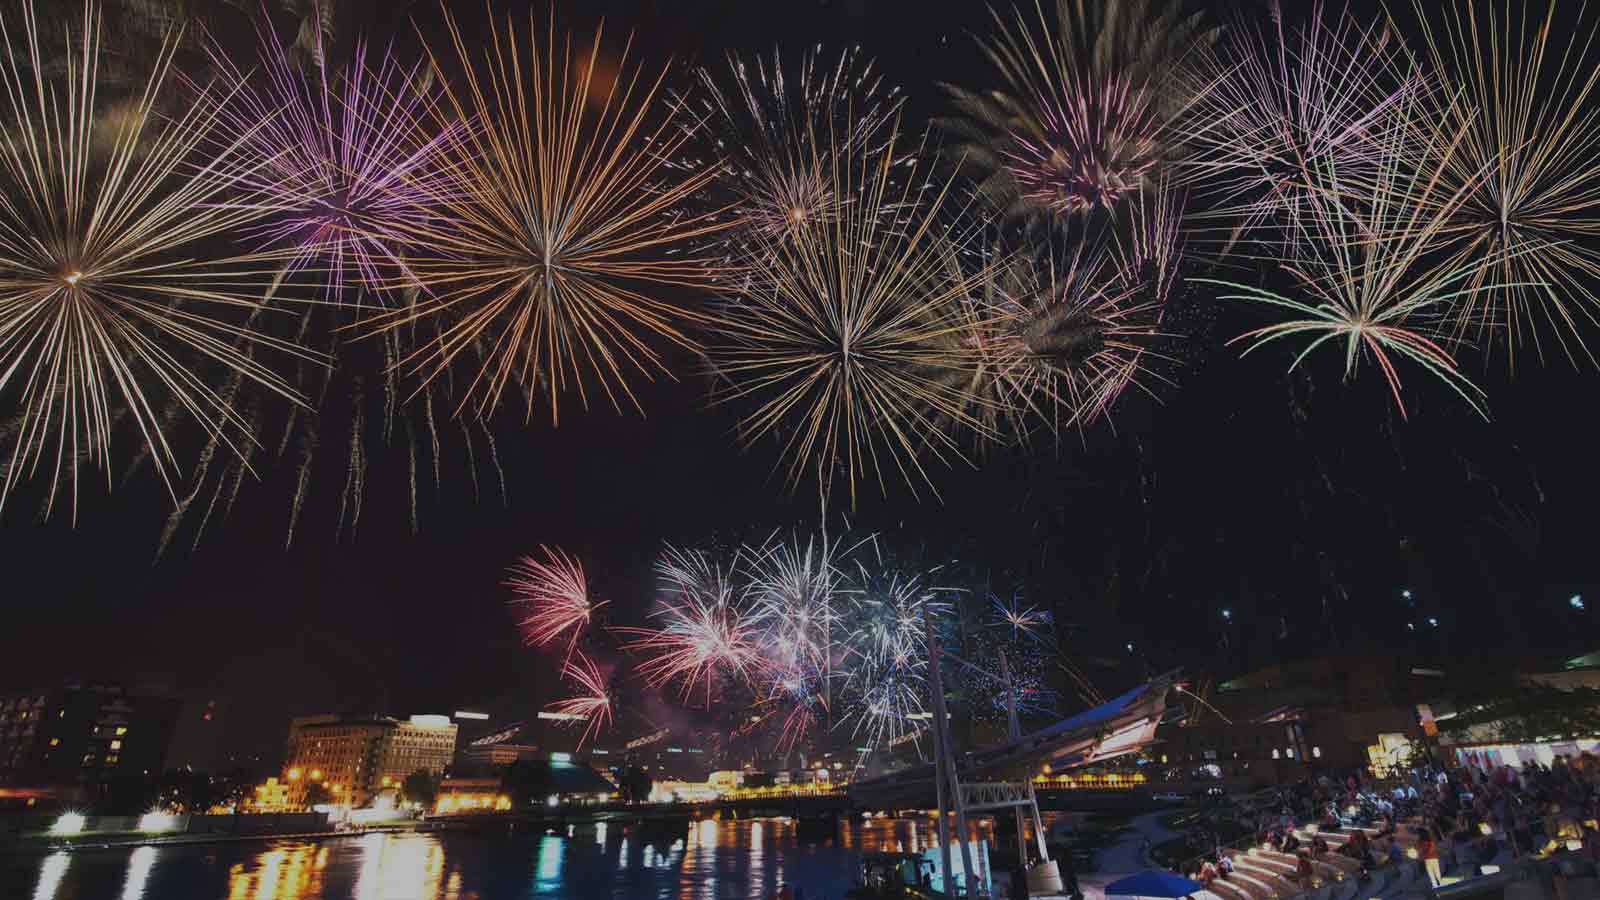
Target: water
(710,859)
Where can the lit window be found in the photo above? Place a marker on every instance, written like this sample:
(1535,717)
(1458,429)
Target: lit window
(1274,752)
(121,730)
(1316,752)
(116,745)
(55,742)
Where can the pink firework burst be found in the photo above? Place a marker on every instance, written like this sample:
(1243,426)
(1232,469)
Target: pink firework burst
(346,159)
(1088,147)
(593,704)
(556,594)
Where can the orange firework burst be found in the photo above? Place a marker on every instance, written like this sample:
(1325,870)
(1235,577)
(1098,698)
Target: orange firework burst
(1526,171)
(551,248)
(107,310)
(844,339)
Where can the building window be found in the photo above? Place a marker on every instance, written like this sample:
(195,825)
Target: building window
(1316,752)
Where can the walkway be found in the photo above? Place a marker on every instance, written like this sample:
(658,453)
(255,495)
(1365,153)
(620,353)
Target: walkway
(1130,854)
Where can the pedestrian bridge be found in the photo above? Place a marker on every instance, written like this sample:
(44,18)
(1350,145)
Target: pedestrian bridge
(1122,725)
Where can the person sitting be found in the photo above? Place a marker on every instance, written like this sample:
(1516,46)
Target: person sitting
(1303,871)
(1208,873)
(1225,867)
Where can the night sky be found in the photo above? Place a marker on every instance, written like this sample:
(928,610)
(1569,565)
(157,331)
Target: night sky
(1301,502)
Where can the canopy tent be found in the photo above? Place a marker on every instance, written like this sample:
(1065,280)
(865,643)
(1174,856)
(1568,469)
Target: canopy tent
(1153,883)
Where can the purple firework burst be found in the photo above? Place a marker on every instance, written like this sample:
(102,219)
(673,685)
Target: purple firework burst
(346,159)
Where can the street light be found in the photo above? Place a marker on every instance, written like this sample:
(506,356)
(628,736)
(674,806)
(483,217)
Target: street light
(1433,621)
(1227,615)
(1576,602)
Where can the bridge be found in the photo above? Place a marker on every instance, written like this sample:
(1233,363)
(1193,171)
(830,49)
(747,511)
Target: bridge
(1119,726)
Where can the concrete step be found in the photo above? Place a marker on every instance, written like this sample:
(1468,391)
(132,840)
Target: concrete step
(1226,890)
(1253,885)
(1280,882)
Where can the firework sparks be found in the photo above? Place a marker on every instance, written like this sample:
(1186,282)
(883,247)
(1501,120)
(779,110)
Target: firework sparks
(886,650)
(1058,339)
(105,304)
(1367,272)
(560,215)
(1273,109)
(1527,167)
(557,596)
(705,632)
(593,704)
(344,159)
(1089,99)
(845,338)
(1023,622)
(775,134)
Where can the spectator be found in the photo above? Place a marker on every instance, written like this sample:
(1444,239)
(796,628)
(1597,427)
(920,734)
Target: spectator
(1303,871)
(1429,853)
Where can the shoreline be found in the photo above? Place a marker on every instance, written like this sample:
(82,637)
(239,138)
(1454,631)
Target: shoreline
(33,847)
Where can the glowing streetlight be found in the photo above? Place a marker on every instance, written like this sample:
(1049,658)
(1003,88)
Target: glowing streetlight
(1227,615)
(1576,602)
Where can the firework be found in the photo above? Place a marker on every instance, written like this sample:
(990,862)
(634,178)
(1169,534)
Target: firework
(550,249)
(1084,118)
(886,649)
(795,589)
(106,305)
(1272,109)
(1370,281)
(1058,339)
(1526,167)
(1022,622)
(592,704)
(705,634)
(557,596)
(845,338)
(345,159)
(774,134)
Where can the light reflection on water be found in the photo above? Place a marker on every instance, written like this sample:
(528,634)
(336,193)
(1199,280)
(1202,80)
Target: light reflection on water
(690,861)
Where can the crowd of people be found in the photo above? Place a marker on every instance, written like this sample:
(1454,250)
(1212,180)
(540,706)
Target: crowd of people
(1452,819)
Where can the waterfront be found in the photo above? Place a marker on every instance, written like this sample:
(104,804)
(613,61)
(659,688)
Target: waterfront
(708,859)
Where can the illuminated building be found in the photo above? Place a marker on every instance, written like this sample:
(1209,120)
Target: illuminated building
(355,758)
(84,733)
(469,795)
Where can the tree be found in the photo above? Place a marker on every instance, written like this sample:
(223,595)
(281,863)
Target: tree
(635,784)
(420,787)
(1525,710)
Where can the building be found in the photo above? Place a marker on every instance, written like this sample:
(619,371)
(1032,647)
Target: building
(357,758)
(197,744)
(500,754)
(85,733)
(470,795)
(1330,713)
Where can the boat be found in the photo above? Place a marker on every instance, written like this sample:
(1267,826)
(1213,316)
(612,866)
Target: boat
(891,876)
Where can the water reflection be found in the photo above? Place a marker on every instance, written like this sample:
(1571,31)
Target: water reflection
(139,866)
(50,875)
(709,858)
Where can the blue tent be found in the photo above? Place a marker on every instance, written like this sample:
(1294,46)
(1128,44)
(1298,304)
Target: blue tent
(1154,883)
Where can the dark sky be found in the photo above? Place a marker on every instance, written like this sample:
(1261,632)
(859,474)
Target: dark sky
(1302,503)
